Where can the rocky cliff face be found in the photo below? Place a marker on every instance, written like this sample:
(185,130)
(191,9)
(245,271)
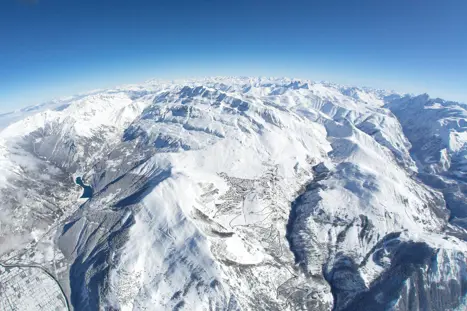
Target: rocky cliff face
(242,194)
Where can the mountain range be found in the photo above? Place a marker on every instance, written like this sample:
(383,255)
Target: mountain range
(240,194)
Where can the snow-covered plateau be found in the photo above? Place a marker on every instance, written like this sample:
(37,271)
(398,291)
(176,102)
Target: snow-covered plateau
(240,194)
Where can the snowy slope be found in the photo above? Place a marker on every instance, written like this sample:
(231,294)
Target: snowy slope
(439,146)
(241,194)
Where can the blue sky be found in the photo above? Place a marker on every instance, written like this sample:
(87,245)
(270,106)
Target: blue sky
(52,48)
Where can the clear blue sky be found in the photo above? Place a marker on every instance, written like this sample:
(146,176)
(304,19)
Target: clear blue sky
(51,48)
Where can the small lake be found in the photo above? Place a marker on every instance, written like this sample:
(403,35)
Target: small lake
(87,190)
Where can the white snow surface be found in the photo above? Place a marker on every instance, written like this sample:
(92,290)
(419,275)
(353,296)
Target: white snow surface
(229,155)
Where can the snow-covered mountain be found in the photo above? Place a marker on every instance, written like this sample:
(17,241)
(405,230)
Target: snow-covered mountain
(241,194)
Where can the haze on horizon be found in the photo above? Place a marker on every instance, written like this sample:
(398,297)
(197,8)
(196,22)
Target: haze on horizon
(52,48)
